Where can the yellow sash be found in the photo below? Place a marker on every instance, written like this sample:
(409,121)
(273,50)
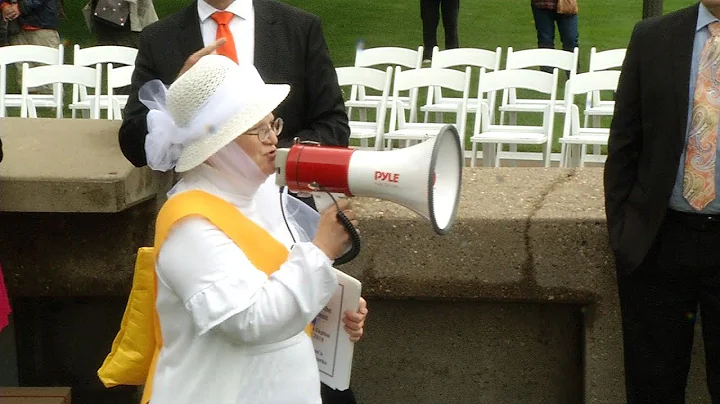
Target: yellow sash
(137,345)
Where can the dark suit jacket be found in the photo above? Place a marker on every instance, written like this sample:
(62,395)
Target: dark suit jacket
(647,134)
(289,48)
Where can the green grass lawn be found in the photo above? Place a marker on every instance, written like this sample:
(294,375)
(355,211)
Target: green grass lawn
(604,24)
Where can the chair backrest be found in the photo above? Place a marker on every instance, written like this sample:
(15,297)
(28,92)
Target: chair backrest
(104,54)
(26,53)
(592,81)
(534,80)
(373,78)
(525,79)
(59,74)
(100,54)
(364,76)
(389,55)
(560,59)
(607,59)
(429,77)
(585,83)
(474,57)
(117,77)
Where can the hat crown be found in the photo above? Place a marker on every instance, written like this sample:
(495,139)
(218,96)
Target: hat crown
(195,87)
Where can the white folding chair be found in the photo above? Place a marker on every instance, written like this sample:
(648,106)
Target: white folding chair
(575,139)
(117,77)
(408,80)
(473,57)
(554,58)
(31,54)
(60,74)
(595,107)
(91,56)
(392,56)
(493,136)
(377,80)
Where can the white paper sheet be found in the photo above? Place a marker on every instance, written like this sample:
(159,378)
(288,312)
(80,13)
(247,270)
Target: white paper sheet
(333,348)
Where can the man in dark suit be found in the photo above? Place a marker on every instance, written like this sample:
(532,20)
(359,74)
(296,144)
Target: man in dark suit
(289,47)
(285,44)
(662,211)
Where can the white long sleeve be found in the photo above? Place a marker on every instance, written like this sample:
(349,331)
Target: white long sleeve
(222,290)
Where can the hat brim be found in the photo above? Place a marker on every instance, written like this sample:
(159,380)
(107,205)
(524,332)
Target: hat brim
(200,150)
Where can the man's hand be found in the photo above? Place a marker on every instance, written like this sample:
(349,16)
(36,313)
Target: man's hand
(354,322)
(202,52)
(10,11)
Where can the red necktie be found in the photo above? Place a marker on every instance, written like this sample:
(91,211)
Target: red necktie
(223,18)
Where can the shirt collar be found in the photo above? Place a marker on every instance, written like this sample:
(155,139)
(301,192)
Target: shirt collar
(705,18)
(241,8)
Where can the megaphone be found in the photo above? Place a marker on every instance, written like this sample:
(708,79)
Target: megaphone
(424,178)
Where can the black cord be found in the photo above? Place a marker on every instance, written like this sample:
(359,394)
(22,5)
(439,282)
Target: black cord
(347,224)
(352,231)
(282,209)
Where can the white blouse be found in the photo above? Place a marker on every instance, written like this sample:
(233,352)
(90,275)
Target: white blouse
(231,334)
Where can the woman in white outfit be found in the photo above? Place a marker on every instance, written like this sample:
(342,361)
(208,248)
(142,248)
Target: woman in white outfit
(231,333)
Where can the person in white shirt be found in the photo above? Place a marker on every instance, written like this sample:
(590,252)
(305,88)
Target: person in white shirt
(231,333)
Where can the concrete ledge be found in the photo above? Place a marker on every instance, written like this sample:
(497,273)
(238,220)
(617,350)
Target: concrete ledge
(530,235)
(67,165)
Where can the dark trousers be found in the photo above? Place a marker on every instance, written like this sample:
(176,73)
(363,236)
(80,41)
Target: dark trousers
(659,303)
(567,25)
(330,396)
(430,14)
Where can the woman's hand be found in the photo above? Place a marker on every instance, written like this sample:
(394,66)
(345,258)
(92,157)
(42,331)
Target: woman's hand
(354,322)
(331,236)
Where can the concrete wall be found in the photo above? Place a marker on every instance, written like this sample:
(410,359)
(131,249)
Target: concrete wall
(517,304)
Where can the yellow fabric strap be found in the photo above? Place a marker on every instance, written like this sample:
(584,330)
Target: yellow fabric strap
(263,250)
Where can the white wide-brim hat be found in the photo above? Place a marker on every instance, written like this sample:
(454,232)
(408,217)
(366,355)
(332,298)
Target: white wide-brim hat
(210,105)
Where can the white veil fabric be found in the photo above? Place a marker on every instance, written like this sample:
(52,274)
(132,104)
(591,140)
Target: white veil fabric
(166,138)
(246,179)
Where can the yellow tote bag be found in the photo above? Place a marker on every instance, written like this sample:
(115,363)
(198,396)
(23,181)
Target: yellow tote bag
(135,349)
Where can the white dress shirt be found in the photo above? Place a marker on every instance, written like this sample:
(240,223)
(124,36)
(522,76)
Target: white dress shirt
(242,27)
(232,334)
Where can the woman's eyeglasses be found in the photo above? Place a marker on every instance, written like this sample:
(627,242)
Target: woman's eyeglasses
(263,133)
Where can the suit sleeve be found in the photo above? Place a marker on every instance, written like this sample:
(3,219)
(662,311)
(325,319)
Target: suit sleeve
(134,126)
(625,142)
(28,6)
(326,108)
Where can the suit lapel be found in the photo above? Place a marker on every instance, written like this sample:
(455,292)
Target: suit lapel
(265,46)
(190,36)
(681,37)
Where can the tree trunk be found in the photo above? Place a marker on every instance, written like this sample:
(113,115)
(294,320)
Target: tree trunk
(652,8)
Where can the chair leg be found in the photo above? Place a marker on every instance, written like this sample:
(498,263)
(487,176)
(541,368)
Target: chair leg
(473,156)
(427,115)
(583,153)
(498,149)
(563,155)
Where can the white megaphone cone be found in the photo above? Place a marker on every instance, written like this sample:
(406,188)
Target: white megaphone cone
(425,178)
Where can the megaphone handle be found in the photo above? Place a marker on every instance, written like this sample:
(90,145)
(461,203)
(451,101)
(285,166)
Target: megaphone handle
(354,238)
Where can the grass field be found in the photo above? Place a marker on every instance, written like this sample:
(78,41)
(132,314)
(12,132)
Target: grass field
(604,24)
